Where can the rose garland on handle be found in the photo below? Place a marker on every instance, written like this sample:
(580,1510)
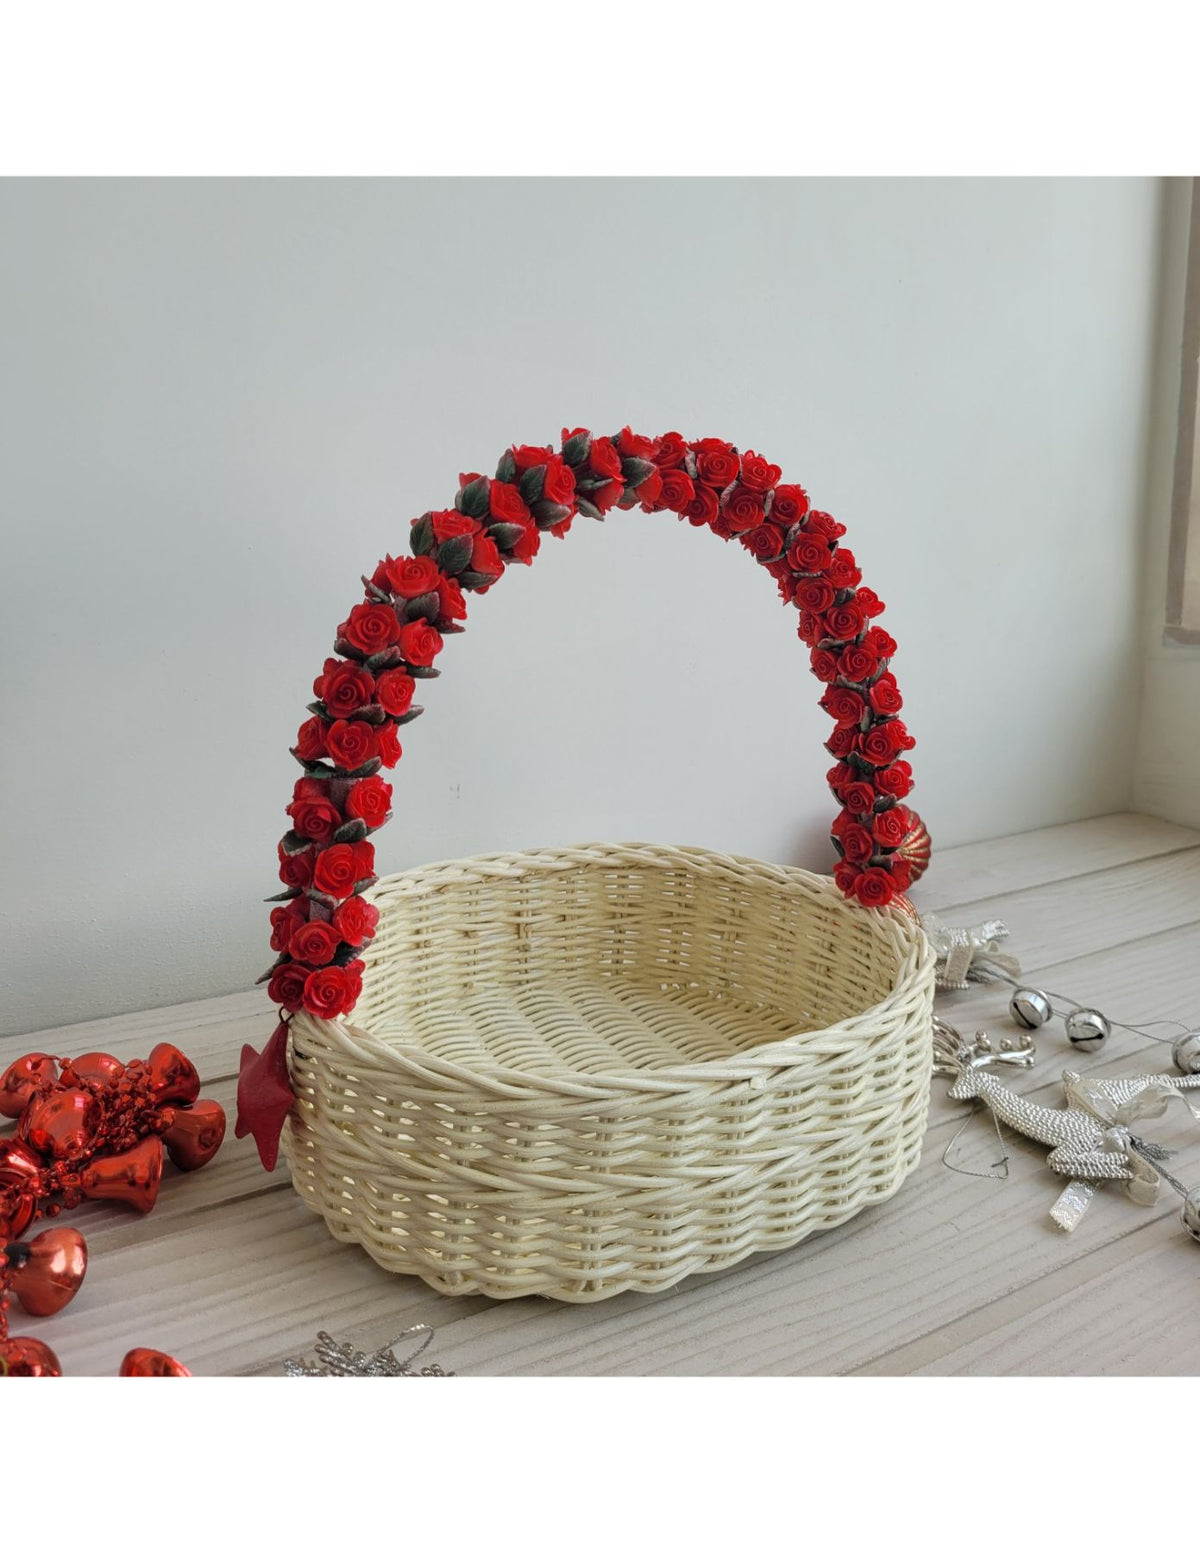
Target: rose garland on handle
(391,639)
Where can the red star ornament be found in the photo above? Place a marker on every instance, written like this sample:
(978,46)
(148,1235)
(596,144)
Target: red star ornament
(264,1095)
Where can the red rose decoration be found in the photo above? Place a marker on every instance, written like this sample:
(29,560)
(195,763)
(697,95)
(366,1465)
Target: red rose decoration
(764,542)
(814,593)
(387,745)
(295,868)
(884,695)
(757,474)
(371,627)
(844,874)
(843,573)
(394,692)
(857,662)
(811,629)
(286,986)
(451,603)
(329,993)
(743,510)
(842,741)
(880,642)
(844,706)
(703,507)
(844,621)
(420,643)
(822,523)
(312,813)
(336,870)
(869,602)
(451,523)
(284,919)
(858,797)
(672,450)
(789,504)
(678,492)
(485,557)
(857,845)
(874,887)
(344,687)
(525,548)
(526,456)
(884,742)
(412,577)
(810,554)
(559,486)
(889,827)
(505,503)
(364,858)
(315,943)
(896,781)
(350,745)
(716,463)
(355,920)
(310,741)
(603,459)
(824,666)
(370,800)
(901,872)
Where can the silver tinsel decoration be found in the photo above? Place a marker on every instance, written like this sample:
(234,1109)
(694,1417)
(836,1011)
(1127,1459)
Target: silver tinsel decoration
(334,1358)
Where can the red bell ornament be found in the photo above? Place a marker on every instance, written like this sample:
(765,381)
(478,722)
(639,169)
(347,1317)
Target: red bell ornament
(53,1267)
(173,1077)
(19,1165)
(22,1077)
(16,1219)
(97,1067)
(195,1135)
(148,1361)
(62,1123)
(132,1177)
(26,1356)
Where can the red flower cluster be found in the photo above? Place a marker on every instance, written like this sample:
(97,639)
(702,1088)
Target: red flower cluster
(412,603)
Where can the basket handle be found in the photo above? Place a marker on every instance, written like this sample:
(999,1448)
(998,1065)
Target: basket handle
(390,640)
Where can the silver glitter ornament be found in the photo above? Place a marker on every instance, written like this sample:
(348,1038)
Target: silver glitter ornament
(1186,1052)
(1030,1008)
(1087,1028)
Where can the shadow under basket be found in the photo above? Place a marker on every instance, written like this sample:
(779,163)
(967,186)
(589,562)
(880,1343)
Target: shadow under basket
(581,1071)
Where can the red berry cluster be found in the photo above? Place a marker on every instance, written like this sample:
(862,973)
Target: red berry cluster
(391,639)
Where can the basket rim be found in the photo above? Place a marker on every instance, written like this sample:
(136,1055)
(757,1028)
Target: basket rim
(414,1062)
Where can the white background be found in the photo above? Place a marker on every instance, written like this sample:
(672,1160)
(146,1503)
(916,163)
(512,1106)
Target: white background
(221,401)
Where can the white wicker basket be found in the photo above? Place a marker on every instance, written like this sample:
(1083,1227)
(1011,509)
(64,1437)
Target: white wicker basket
(577,1072)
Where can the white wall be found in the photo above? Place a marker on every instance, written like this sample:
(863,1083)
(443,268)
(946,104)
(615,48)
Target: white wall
(221,401)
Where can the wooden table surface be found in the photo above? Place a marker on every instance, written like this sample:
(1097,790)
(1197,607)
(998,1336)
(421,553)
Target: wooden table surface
(956,1275)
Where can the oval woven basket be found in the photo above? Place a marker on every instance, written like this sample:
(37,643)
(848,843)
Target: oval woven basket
(577,1072)
(580,1071)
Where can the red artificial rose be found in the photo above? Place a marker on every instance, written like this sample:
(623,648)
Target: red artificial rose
(895,780)
(315,943)
(413,576)
(672,450)
(312,813)
(840,776)
(822,523)
(295,868)
(336,870)
(355,920)
(343,687)
(350,744)
(284,921)
(890,826)
(364,858)
(765,542)
(901,873)
(844,706)
(387,744)
(451,603)
(605,497)
(874,887)
(814,593)
(858,797)
(329,992)
(310,741)
(525,457)
(603,459)
(857,845)
(881,642)
(451,523)
(485,557)
(505,503)
(885,696)
(286,986)
(884,742)
(824,665)
(703,507)
(716,463)
(370,627)
(631,445)
(811,631)
(757,473)
(869,602)
(789,504)
(559,486)
(857,662)
(845,873)
(649,490)
(784,580)
(809,554)
(420,642)
(844,621)
(842,741)
(369,800)
(743,509)
(843,573)
(394,692)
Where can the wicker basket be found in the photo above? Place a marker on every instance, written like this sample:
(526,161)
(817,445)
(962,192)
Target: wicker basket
(577,1072)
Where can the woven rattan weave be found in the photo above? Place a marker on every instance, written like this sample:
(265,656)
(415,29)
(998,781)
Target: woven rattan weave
(581,1071)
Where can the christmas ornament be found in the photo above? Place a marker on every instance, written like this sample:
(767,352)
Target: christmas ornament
(150,1362)
(1186,1052)
(26,1356)
(968,954)
(1030,1008)
(47,1272)
(1087,1029)
(341,1359)
(1090,1139)
(264,1095)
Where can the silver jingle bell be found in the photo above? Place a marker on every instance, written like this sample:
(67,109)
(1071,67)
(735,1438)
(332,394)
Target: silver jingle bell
(1087,1029)
(1030,1008)
(1186,1052)
(1191,1214)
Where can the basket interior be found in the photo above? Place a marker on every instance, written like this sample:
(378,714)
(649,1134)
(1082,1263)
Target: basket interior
(604,965)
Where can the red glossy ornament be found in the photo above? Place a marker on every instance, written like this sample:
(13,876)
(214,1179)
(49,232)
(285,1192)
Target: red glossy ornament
(915,849)
(98,1067)
(195,1135)
(61,1123)
(21,1078)
(50,1277)
(19,1165)
(131,1178)
(26,1356)
(173,1077)
(18,1218)
(148,1361)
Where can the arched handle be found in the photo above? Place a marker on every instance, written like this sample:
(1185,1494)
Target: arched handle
(391,639)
